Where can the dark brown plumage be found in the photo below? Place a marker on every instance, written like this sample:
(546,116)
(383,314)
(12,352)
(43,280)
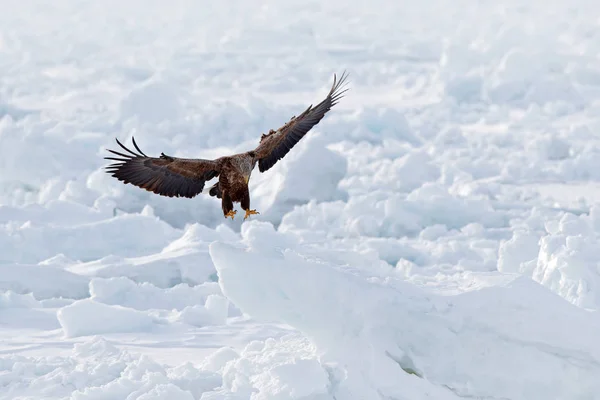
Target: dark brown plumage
(183,177)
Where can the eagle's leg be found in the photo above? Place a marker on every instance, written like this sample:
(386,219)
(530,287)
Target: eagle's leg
(245,203)
(227,205)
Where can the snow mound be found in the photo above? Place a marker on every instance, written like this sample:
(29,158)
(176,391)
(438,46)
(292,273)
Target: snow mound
(145,296)
(183,260)
(10,299)
(49,282)
(214,312)
(410,343)
(563,257)
(33,242)
(120,305)
(89,317)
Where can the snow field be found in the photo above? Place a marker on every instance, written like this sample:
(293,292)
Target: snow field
(435,236)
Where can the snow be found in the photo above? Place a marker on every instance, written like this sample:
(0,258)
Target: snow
(86,317)
(435,236)
(389,324)
(563,259)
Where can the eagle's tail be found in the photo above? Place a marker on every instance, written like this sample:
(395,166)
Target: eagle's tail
(215,190)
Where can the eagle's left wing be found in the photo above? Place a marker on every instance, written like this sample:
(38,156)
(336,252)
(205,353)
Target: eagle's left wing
(274,146)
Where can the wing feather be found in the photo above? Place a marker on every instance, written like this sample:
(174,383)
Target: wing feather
(274,146)
(164,175)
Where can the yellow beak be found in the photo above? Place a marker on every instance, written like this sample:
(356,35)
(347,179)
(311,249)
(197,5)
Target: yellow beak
(246,178)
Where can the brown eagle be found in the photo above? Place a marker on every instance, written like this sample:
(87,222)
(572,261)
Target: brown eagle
(185,177)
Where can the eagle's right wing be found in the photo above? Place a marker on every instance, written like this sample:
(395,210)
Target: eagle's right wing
(164,175)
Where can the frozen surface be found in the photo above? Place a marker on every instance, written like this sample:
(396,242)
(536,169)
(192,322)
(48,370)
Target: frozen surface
(369,329)
(436,236)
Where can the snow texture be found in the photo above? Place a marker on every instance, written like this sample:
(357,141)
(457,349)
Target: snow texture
(436,236)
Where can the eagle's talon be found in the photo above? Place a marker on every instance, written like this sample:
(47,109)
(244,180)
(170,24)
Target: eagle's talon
(231,214)
(250,212)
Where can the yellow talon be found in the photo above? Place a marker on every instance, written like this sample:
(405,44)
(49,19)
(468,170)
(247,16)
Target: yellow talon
(250,212)
(230,214)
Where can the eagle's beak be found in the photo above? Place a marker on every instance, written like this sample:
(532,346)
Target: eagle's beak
(246,178)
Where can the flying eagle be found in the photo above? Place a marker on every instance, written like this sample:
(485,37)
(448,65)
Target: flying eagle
(185,177)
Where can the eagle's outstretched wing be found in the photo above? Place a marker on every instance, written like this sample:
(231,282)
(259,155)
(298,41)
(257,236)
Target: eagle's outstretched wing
(275,145)
(165,175)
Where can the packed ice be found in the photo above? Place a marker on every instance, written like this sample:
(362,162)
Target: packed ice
(435,236)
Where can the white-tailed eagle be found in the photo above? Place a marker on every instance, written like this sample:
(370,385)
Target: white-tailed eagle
(184,177)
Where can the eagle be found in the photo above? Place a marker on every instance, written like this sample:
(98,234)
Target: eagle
(185,177)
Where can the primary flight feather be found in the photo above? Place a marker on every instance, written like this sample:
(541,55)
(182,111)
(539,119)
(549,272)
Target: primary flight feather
(186,177)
